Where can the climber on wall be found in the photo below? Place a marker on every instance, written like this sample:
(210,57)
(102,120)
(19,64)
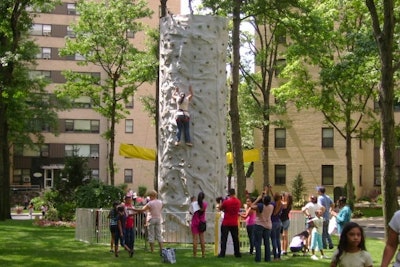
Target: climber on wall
(182,115)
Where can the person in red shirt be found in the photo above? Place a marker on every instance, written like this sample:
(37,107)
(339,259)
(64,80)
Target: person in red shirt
(130,224)
(230,223)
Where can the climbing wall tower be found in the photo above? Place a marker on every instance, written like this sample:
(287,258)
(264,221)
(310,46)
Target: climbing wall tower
(192,52)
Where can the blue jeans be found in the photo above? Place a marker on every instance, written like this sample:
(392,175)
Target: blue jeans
(250,234)
(183,123)
(262,233)
(276,239)
(130,237)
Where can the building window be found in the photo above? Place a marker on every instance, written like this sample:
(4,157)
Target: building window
(91,150)
(40,74)
(128,126)
(377,175)
(280,138)
(280,174)
(82,102)
(95,174)
(327,174)
(129,102)
(79,57)
(44,150)
(128,176)
(41,29)
(45,53)
(327,137)
(360,169)
(85,126)
(70,32)
(21,176)
(71,9)
(46,30)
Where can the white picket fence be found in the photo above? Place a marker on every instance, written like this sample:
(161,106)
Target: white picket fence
(92,226)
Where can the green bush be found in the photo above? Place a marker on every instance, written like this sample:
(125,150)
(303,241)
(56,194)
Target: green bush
(52,214)
(96,194)
(298,188)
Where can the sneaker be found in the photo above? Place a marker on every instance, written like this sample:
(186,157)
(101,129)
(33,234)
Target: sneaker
(189,144)
(325,257)
(314,257)
(177,143)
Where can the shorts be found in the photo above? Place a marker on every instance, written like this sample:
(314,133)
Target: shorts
(285,225)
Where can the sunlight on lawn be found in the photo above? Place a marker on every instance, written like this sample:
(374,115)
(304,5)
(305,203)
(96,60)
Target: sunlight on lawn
(23,244)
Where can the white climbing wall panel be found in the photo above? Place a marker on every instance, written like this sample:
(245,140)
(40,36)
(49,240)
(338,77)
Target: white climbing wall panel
(193,51)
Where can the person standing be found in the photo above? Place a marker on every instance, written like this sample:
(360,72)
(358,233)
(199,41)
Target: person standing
(119,235)
(230,223)
(316,239)
(113,223)
(344,214)
(129,223)
(250,217)
(351,250)
(30,208)
(392,242)
(182,116)
(154,212)
(287,201)
(276,226)
(26,201)
(325,201)
(199,215)
(263,225)
(309,212)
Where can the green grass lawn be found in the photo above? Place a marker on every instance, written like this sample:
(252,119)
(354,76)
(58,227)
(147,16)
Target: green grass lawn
(23,244)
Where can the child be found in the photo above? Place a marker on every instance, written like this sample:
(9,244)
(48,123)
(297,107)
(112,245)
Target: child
(316,235)
(351,250)
(120,231)
(30,210)
(299,243)
(113,217)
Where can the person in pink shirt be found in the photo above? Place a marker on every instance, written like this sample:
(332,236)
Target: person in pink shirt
(199,215)
(250,217)
(230,223)
(154,209)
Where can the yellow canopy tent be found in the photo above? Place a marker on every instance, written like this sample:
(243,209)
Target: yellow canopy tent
(132,151)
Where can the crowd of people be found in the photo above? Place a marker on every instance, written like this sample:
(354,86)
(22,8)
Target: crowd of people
(267,223)
(122,222)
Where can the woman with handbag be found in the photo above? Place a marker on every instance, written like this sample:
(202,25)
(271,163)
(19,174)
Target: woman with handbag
(198,223)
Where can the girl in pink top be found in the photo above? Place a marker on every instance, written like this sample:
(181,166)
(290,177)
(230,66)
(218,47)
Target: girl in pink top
(199,216)
(250,217)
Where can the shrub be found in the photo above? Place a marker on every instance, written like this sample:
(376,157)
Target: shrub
(298,188)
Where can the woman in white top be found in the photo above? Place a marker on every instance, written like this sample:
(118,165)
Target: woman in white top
(182,116)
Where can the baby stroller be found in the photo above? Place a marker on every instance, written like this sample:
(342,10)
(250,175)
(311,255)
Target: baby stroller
(298,243)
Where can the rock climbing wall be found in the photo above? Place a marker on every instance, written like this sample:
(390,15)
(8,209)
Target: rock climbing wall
(192,52)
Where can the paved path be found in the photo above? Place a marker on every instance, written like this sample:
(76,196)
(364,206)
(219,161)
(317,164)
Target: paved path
(25,216)
(373,226)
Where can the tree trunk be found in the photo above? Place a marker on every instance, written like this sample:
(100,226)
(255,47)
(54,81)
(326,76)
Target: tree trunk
(349,167)
(162,14)
(4,164)
(384,39)
(234,107)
